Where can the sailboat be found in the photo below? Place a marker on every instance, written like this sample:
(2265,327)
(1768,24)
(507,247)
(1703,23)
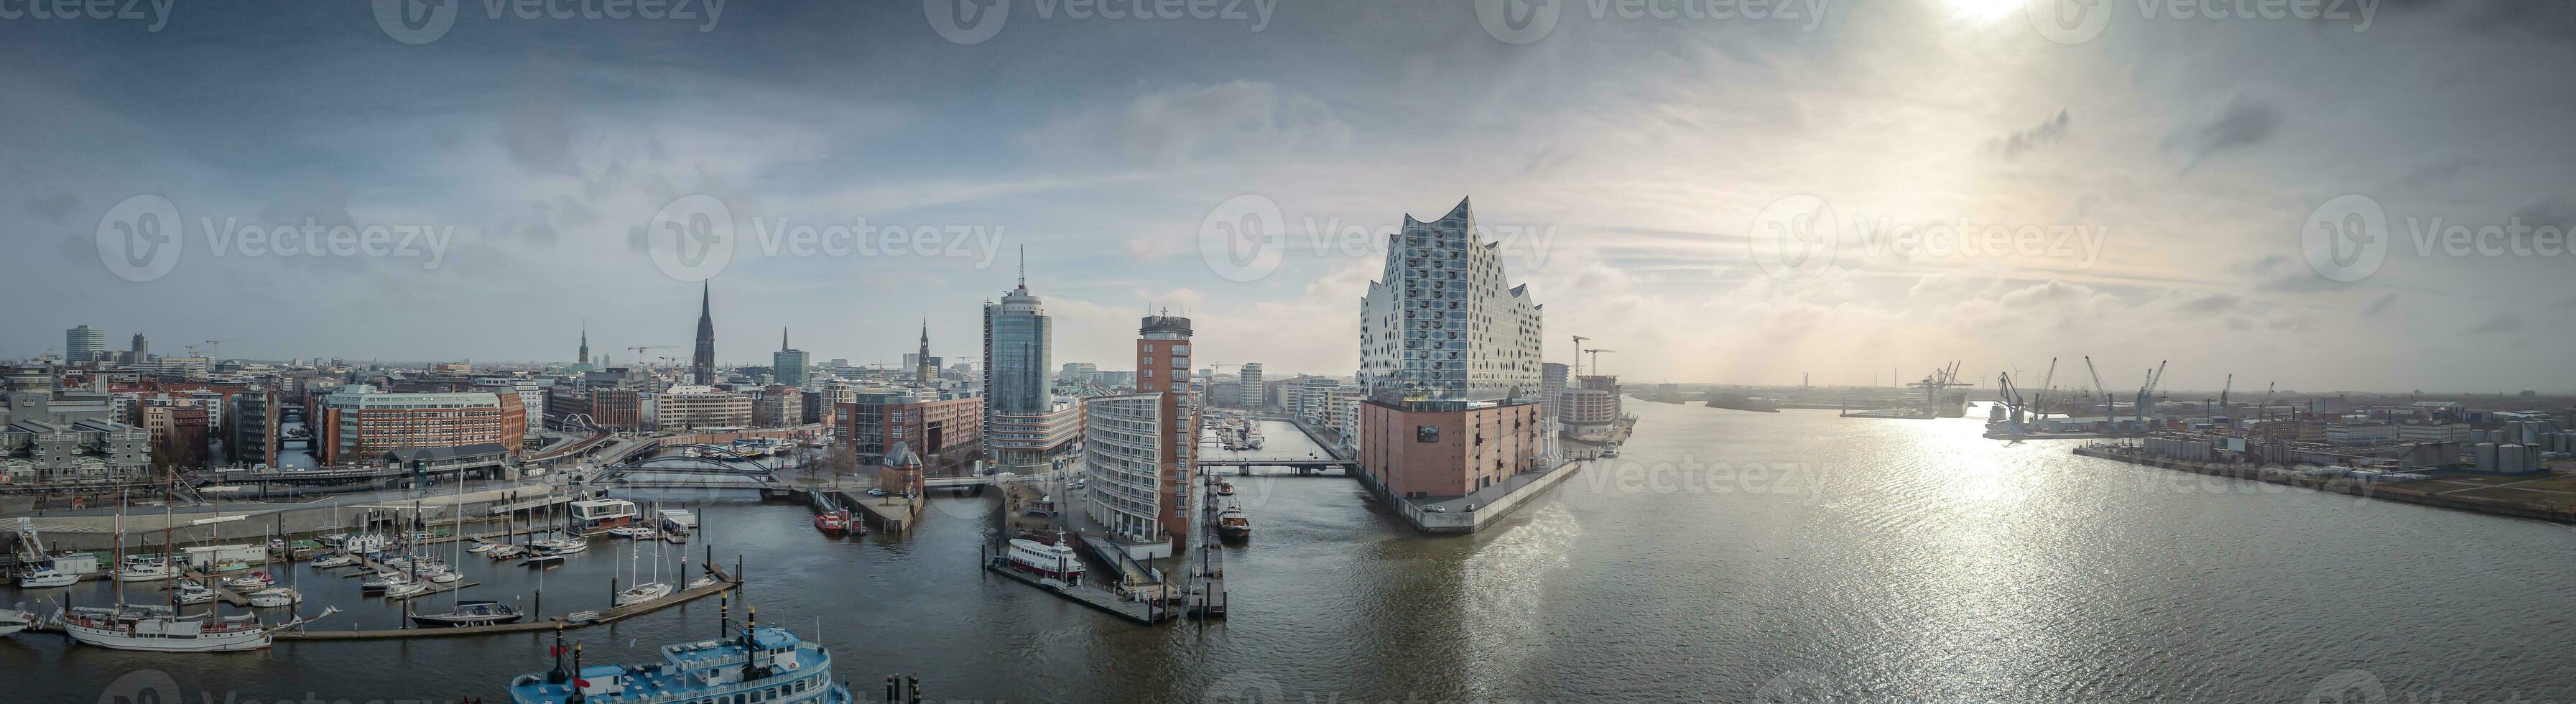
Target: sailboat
(647,591)
(468,613)
(161,628)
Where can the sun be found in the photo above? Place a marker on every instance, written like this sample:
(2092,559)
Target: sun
(1985,9)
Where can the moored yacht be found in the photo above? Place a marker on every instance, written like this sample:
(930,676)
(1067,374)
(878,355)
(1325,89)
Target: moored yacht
(162,629)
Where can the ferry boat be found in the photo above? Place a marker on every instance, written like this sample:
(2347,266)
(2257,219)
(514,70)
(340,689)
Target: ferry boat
(1045,555)
(595,516)
(162,629)
(758,664)
(1232,524)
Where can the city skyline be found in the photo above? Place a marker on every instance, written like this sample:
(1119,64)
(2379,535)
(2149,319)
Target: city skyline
(2169,210)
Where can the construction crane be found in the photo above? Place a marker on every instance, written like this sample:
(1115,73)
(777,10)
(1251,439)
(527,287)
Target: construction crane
(215,349)
(1596,359)
(2109,407)
(1578,355)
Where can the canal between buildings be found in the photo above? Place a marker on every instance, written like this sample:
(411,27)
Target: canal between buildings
(1726,556)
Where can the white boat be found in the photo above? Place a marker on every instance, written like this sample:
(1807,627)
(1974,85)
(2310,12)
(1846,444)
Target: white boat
(442,576)
(161,629)
(505,552)
(334,560)
(383,581)
(276,597)
(193,593)
(46,577)
(133,571)
(642,593)
(13,620)
(565,547)
(406,590)
(250,582)
(1046,555)
(482,547)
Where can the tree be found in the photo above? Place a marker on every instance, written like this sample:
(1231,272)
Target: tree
(839,460)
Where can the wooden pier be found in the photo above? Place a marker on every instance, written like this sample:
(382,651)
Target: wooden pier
(1141,613)
(723,583)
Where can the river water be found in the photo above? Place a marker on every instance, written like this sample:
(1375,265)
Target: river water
(1727,556)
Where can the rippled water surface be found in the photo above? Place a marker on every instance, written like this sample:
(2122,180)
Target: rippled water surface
(1726,557)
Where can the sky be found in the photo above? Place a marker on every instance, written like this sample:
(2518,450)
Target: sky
(2367,196)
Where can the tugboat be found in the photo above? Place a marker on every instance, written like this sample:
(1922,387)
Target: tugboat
(835,523)
(764,664)
(1233,525)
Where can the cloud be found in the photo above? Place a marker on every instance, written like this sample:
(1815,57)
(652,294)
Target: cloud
(2502,322)
(54,207)
(2380,306)
(2045,133)
(2243,122)
(2213,303)
(1187,126)
(2553,211)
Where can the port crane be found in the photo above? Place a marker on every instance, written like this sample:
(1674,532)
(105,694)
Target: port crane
(2146,392)
(2046,384)
(2222,395)
(2109,407)
(2263,411)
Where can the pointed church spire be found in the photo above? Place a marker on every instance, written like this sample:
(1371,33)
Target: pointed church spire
(782,340)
